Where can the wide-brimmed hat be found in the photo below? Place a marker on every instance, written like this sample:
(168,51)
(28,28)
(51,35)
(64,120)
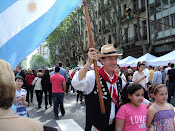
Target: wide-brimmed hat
(108,50)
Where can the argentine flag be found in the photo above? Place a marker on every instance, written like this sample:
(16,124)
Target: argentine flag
(25,24)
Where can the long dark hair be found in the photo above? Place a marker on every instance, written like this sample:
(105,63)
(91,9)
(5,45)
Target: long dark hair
(138,65)
(130,89)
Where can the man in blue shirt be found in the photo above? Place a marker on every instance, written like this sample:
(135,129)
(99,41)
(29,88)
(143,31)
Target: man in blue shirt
(62,71)
(157,77)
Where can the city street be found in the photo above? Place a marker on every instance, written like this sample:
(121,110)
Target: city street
(73,119)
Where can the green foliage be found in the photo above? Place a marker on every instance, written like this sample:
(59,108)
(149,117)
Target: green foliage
(65,36)
(37,61)
(23,64)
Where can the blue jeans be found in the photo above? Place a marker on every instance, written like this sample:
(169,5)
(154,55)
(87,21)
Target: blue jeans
(58,100)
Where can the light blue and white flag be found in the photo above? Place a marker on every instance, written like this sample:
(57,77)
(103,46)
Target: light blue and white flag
(25,24)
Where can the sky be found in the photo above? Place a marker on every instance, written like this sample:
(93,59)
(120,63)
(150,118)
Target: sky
(29,57)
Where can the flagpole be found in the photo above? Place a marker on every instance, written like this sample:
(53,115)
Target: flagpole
(95,62)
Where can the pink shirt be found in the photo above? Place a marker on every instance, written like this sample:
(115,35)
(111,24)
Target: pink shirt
(57,83)
(135,117)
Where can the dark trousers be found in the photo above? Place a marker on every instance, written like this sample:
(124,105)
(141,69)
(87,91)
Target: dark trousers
(29,89)
(110,127)
(72,88)
(50,96)
(171,90)
(39,96)
(58,99)
(79,93)
(67,86)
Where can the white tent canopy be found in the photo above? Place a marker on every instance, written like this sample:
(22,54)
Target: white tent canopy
(118,60)
(98,64)
(123,62)
(164,60)
(147,57)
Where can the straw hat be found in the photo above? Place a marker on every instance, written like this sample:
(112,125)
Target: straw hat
(108,50)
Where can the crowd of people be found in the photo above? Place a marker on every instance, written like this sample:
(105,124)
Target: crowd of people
(134,98)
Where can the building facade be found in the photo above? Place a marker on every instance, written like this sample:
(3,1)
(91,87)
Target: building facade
(163,11)
(43,51)
(134,36)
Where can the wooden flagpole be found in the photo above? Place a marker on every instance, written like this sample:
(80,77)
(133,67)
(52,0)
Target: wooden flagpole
(95,62)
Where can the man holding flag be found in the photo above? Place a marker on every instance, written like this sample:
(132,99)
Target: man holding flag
(84,80)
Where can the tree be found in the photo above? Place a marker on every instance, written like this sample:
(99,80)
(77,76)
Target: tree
(66,37)
(23,64)
(37,61)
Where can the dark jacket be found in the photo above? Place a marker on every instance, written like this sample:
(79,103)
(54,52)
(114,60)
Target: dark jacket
(45,82)
(93,112)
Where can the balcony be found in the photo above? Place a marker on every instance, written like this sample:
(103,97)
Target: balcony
(143,9)
(130,40)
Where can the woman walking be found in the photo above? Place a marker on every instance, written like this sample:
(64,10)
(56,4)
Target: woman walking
(38,88)
(47,87)
(28,79)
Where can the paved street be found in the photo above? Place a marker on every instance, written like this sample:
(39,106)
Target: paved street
(74,117)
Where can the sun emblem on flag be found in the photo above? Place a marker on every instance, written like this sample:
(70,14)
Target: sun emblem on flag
(32,6)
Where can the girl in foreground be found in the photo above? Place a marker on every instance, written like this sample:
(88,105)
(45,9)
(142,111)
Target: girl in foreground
(132,115)
(160,113)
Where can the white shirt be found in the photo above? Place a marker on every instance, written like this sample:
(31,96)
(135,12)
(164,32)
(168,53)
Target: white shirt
(166,69)
(123,82)
(137,76)
(147,74)
(87,85)
(37,83)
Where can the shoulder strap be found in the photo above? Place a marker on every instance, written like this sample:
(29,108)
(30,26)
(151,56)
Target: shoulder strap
(36,81)
(155,107)
(170,106)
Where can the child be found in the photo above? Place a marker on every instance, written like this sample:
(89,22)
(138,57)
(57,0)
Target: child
(133,114)
(150,92)
(21,106)
(161,113)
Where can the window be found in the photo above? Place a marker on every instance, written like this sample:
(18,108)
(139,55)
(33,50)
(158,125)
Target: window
(86,34)
(166,21)
(109,2)
(135,31)
(109,39)
(143,5)
(152,27)
(173,19)
(103,24)
(160,26)
(172,3)
(165,4)
(73,53)
(126,35)
(124,8)
(144,30)
(99,5)
(151,9)
(100,26)
(114,16)
(158,6)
